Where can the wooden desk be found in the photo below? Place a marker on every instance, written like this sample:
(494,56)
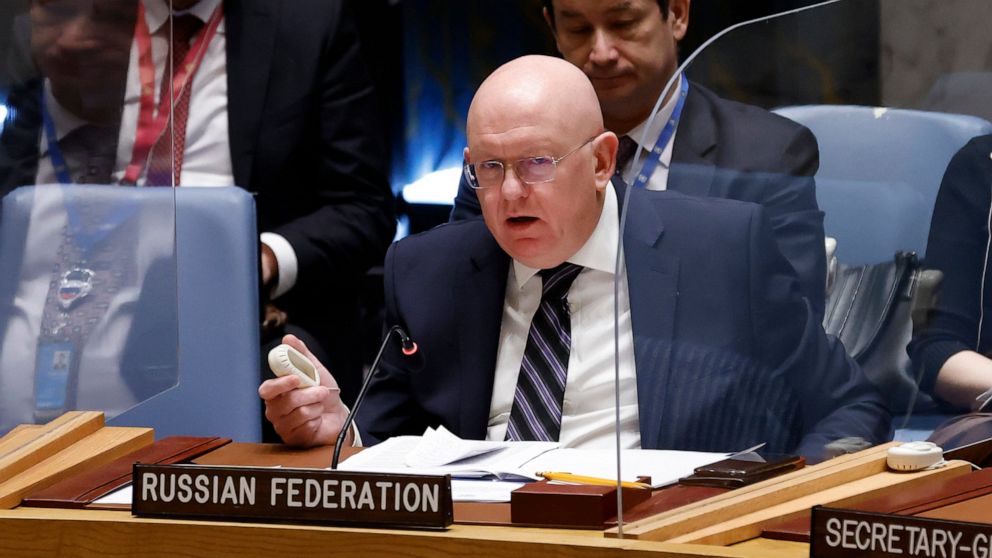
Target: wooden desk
(39,532)
(721,522)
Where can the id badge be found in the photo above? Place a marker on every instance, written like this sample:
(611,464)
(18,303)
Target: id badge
(53,367)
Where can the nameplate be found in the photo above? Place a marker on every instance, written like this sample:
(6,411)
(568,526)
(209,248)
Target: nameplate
(292,495)
(845,533)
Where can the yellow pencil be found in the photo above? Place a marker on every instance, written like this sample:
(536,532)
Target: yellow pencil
(580,479)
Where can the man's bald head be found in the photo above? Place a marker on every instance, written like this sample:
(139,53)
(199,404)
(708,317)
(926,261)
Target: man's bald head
(538,152)
(534,90)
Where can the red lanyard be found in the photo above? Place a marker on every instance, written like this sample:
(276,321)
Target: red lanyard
(151,123)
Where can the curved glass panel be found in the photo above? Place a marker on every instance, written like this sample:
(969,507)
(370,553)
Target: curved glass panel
(785,320)
(88,290)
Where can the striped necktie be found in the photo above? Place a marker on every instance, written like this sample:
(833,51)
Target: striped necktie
(166,160)
(537,402)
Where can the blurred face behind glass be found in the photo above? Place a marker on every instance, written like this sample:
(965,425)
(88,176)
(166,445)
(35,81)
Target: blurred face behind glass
(627,48)
(82,47)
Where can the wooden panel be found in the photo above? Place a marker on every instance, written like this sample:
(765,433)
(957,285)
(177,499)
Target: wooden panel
(29,446)
(18,436)
(725,507)
(749,525)
(40,532)
(99,448)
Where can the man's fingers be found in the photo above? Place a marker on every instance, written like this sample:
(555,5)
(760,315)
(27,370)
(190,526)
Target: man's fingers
(270,389)
(302,434)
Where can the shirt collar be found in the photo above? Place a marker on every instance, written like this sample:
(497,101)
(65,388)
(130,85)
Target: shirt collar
(599,251)
(157,12)
(664,114)
(63,119)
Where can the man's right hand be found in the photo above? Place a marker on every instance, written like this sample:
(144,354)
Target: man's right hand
(304,417)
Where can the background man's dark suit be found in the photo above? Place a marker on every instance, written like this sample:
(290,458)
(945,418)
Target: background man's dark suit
(303,136)
(728,353)
(726,149)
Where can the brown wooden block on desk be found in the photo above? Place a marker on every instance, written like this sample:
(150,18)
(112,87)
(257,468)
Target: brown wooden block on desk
(570,505)
(662,500)
(81,490)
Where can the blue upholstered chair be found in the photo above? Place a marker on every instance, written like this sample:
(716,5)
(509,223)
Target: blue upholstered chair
(177,349)
(218,317)
(880,170)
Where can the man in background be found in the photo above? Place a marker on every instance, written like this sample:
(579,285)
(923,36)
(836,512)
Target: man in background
(716,147)
(269,95)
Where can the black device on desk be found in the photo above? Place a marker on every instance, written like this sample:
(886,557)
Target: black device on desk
(743,469)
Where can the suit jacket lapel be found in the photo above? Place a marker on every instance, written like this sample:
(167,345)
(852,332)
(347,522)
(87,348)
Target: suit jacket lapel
(652,278)
(693,163)
(479,314)
(251,34)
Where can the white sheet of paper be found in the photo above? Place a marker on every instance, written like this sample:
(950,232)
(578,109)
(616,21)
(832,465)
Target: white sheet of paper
(122,495)
(503,460)
(482,490)
(439,447)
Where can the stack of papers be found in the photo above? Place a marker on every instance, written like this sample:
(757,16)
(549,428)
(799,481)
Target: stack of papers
(439,452)
(490,470)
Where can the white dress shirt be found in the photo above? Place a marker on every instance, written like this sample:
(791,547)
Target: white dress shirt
(658,180)
(207,156)
(588,414)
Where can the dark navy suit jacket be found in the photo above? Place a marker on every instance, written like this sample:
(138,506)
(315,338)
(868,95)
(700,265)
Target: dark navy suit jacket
(725,149)
(727,351)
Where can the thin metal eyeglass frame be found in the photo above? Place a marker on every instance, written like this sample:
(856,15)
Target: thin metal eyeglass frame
(474,182)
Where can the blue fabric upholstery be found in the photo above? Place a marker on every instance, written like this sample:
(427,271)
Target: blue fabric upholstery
(880,170)
(217,270)
(180,335)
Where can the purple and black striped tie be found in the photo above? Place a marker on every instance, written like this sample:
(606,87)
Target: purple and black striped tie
(536,412)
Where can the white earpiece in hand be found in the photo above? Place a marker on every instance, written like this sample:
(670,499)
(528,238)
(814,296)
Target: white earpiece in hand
(285,360)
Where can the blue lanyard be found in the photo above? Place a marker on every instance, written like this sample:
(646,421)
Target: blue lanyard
(54,153)
(666,136)
(88,236)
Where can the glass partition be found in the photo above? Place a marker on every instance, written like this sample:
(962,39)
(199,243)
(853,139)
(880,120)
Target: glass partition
(785,321)
(88,281)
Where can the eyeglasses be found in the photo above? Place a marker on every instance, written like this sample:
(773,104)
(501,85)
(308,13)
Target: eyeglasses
(531,170)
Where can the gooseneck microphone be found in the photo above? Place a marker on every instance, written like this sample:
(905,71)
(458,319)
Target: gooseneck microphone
(408,347)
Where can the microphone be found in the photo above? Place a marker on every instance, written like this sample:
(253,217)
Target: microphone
(409,348)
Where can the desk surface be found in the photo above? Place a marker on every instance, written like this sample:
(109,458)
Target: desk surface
(39,532)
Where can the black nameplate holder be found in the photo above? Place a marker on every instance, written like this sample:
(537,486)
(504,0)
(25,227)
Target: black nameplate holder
(292,495)
(840,533)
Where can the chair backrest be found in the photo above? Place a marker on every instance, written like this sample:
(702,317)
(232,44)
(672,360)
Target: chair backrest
(177,348)
(880,170)
(217,265)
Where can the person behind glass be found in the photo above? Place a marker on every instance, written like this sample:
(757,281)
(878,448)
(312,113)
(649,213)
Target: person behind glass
(272,96)
(80,49)
(513,313)
(953,351)
(718,148)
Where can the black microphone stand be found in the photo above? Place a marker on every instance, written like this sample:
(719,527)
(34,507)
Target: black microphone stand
(409,348)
